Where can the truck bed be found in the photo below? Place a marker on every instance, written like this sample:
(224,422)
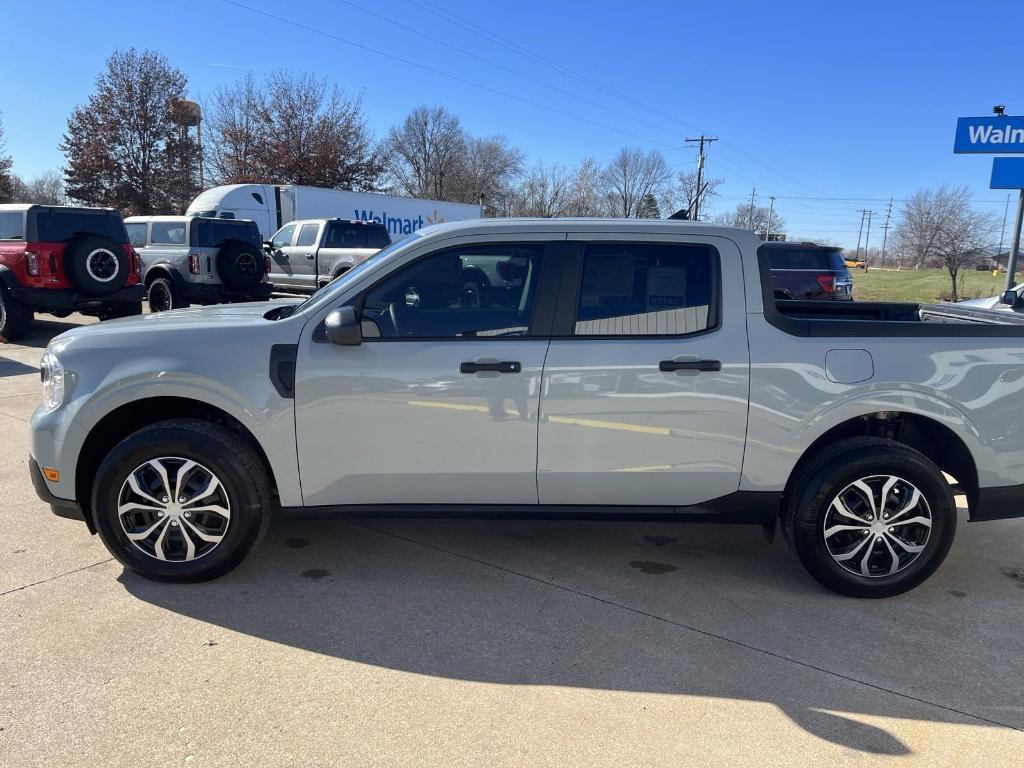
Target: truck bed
(873,318)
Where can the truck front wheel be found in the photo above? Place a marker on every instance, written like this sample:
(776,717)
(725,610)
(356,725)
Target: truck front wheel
(870,517)
(181,500)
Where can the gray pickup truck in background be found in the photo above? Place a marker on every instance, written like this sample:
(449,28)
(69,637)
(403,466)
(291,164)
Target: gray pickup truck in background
(195,260)
(623,369)
(309,253)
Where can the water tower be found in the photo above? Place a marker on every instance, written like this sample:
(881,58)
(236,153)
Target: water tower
(188,114)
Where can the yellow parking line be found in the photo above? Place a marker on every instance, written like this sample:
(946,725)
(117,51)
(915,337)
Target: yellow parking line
(450,406)
(620,426)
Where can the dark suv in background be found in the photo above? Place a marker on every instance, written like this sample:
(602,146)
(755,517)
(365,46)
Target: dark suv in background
(61,260)
(808,271)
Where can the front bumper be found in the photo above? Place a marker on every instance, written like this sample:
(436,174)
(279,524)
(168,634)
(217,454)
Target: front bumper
(59,299)
(68,508)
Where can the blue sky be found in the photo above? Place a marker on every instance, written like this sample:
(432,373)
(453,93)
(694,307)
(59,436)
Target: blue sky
(810,99)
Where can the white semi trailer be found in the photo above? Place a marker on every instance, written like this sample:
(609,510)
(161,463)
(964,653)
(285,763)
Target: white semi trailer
(273,205)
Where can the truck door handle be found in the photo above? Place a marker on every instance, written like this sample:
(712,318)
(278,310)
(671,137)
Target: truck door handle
(508,366)
(310,255)
(670,366)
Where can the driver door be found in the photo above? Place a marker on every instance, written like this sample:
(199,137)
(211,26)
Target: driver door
(439,404)
(281,270)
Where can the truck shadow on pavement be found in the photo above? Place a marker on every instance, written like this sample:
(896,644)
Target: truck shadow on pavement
(42,331)
(687,610)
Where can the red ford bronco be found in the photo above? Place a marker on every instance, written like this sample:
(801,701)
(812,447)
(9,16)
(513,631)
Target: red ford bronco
(61,260)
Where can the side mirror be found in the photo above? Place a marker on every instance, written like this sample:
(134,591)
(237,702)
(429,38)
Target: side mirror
(343,327)
(1010,297)
(269,245)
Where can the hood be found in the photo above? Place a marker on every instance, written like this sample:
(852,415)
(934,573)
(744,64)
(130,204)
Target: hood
(194,320)
(991,302)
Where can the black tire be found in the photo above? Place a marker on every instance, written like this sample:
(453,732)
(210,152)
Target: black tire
(808,506)
(228,457)
(15,317)
(120,309)
(95,265)
(240,265)
(164,295)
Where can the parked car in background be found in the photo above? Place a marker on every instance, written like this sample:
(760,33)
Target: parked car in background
(192,260)
(855,263)
(671,381)
(806,271)
(309,253)
(59,260)
(272,206)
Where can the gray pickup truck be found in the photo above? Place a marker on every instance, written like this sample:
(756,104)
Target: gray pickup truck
(626,369)
(309,253)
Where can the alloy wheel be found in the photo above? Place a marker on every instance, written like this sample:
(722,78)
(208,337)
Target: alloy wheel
(877,526)
(174,509)
(102,265)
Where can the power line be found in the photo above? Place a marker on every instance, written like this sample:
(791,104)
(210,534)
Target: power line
(432,70)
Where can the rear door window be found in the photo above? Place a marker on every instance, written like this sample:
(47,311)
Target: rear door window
(647,289)
(308,235)
(58,226)
(168,233)
(12,225)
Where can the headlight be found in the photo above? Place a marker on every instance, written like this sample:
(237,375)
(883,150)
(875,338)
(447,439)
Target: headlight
(52,373)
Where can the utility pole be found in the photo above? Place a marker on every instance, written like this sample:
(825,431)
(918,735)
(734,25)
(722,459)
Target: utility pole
(750,212)
(885,236)
(1002,231)
(867,237)
(860,233)
(701,140)
(1011,265)
(771,210)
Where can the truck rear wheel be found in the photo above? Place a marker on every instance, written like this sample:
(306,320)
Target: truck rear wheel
(164,295)
(15,317)
(870,517)
(181,500)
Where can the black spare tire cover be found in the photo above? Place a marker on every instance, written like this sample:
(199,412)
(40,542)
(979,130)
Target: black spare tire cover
(240,265)
(95,265)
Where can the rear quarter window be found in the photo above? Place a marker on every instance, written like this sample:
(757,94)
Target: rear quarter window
(59,226)
(12,225)
(136,234)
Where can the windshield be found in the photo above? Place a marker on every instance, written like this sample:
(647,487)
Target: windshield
(356,271)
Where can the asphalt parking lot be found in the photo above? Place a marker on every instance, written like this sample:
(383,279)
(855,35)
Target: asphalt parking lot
(469,643)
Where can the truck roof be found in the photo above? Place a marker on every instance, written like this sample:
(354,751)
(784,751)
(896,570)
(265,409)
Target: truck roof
(659,226)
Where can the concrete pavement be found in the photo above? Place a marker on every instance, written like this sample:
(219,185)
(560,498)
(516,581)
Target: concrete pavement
(402,643)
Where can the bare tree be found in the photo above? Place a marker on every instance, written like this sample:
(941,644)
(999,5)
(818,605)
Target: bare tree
(485,171)
(964,233)
(123,147)
(683,195)
(424,153)
(45,189)
(236,132)
(923,219)
(585,198)
(316,135)
(630,176)
(6,175)
(546,192)
(752,217)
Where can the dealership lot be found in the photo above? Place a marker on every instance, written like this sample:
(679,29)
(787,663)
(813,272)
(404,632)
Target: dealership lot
(491,643)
